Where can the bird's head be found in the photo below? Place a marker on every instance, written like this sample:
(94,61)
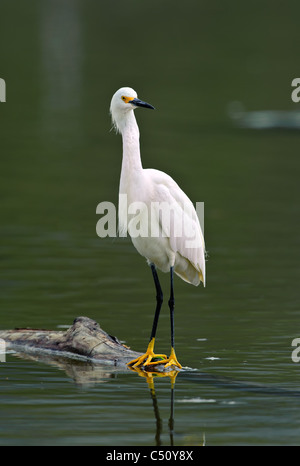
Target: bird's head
(122,102)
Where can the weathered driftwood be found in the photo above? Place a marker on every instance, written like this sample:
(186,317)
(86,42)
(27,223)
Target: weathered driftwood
(84,340)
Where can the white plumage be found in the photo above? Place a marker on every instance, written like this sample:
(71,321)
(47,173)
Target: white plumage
(152,187)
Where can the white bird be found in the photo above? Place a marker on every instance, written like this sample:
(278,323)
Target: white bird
(154,193)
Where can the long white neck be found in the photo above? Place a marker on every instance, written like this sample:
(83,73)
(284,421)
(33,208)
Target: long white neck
(131,163)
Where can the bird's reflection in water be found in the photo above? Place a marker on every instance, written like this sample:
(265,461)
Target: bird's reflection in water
(150,376)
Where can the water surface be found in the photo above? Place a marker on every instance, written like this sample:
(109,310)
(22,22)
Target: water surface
(62,62)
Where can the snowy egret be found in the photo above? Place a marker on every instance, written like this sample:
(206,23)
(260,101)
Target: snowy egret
(152,189)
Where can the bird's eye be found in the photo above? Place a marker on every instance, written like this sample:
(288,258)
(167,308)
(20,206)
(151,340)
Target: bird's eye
(123,98)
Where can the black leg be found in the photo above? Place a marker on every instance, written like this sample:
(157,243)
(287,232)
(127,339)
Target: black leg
(159,301)
(150,357)
(171,306)
(172,361)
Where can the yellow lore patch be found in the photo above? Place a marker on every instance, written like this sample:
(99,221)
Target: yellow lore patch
(127,99)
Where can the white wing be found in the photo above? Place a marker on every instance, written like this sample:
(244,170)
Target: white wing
(184,230)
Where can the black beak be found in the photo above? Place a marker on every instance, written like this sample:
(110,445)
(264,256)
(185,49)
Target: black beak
(140,103)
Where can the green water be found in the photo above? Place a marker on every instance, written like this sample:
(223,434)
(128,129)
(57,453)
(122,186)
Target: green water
(62,61)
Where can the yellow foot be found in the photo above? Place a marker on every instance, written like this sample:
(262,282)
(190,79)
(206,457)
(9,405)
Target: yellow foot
(147,358)
(172,360)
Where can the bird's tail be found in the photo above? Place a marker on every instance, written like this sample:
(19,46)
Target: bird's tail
(191,274)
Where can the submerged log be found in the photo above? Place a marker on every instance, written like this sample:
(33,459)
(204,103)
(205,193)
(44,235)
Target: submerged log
(84,340)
